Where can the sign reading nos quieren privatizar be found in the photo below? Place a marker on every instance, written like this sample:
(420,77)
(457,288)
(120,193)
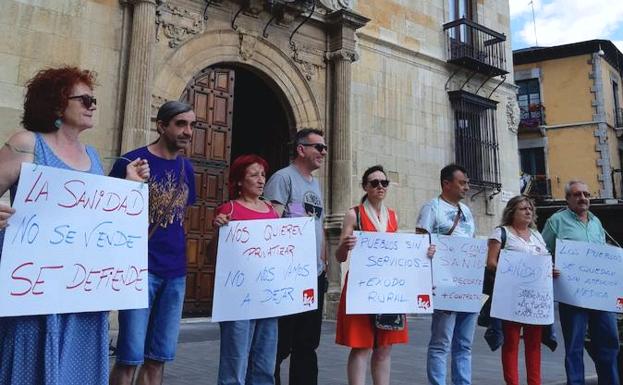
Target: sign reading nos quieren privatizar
(265,268)
(523,290)
(458,270)
(76,243)
(389,273)
(591,275)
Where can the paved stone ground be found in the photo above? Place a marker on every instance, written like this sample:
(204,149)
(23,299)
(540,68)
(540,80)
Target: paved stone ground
(198,352)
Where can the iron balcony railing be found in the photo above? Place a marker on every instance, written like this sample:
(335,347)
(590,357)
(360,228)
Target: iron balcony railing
(539,187)
(531,116)
(476,47)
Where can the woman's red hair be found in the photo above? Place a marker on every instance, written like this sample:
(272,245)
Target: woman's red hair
(47,93)
(238,170)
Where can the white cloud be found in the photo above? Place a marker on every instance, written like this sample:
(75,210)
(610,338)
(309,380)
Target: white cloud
(567,21)
(619,44)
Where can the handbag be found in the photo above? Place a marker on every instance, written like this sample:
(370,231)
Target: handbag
(394,322)
(484,318)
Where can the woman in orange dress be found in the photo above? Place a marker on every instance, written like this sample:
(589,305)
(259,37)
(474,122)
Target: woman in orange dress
(358,331)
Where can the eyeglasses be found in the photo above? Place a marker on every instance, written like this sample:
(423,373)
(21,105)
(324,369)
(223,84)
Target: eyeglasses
(580,194)
(376,182)
(87,100)
(318,146)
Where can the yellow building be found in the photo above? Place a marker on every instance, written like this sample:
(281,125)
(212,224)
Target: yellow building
(569,97)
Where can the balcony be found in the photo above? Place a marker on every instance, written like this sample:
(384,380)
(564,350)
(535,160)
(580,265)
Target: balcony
(476,47)
(531,116)
(537,187)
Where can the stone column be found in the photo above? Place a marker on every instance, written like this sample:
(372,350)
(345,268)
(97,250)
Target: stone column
(341,54)
(136,118)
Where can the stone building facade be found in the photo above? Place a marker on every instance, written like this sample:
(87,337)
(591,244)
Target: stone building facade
(412,85)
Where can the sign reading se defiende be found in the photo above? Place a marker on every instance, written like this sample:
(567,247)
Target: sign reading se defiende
(591,275)
(265,268)
(523,290)
(76,243)
(389,273)
(458,270)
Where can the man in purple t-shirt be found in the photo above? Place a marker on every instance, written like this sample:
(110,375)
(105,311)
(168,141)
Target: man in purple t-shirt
(148,337)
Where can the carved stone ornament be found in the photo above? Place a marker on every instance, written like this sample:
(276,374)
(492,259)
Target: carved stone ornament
(247,45)
(512,113)
(336,5)
(177,24)
(342,54)
(156,102)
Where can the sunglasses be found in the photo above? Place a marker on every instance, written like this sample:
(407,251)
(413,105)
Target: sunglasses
(87,100)
(318,146)
(579,194)
(376,182)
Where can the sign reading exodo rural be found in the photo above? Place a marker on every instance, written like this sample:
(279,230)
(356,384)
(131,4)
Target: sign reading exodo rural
(389,273)
(265,268)
(591,275)
(523,290)
(76,243)
(458,269)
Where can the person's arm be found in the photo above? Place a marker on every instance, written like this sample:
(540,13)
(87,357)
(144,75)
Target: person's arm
(426,220)
(19,148)
(222,218)
(549,236)
(347,239)
(277,191)
(493,254)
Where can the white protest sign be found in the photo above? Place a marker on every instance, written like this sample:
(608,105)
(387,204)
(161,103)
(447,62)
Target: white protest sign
(591,275)
(76,243)
(389,273)
(265,268)
(458,270)
(523,290)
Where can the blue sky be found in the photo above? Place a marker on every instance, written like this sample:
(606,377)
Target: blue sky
(566,21)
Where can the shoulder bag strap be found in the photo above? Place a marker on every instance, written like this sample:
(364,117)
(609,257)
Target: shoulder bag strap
(457,218)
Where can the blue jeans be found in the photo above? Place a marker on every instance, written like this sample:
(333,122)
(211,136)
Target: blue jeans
(152,332)
(248,352)
(604,346)
(451,331)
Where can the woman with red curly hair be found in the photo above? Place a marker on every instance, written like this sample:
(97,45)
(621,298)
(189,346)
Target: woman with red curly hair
(248,347)
(67,349)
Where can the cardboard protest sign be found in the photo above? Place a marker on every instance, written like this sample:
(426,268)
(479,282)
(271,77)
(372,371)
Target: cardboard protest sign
(458,269)
(265,268)
(591,275)
(76,243)
(523,290)
(389,273)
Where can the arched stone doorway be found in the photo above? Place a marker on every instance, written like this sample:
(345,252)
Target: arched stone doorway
(239,111)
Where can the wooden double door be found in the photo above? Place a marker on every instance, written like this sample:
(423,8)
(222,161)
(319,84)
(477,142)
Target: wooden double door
(261,126)
(211,94)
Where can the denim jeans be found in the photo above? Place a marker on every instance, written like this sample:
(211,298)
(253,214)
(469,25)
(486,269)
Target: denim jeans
(604,346)
(451,332)
(248,352)
(152,332)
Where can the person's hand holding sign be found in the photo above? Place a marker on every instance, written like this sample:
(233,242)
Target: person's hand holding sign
(5,213)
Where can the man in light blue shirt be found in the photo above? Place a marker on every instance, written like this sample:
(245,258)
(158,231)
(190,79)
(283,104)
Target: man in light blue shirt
(451,331)
(577,223)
